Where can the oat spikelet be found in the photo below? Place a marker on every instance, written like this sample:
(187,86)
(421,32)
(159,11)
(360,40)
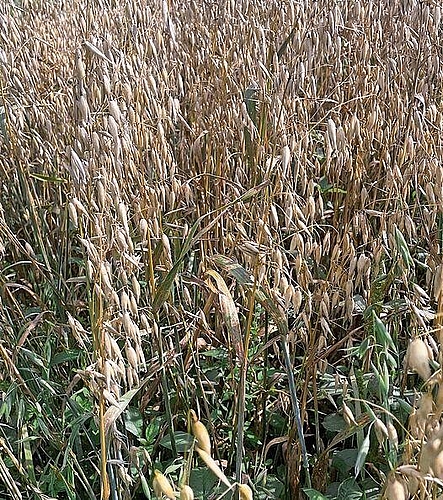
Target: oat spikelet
(439,399)
(392,434)
(395,489)
(348,415)
(245,492)
(417,358)
(162,486)
(381,431)
(200,433)
(186,493)
(437,466)
(212,464)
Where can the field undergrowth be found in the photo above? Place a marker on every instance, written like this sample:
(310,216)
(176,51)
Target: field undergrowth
(225,214)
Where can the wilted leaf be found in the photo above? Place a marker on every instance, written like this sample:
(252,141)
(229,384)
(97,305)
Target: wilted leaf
(362,453)
(212,464)
(263,297)
(166,285)
(229,312)
(113,412)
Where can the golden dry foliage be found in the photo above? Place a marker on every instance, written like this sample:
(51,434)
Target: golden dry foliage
(425,427)
(381,431)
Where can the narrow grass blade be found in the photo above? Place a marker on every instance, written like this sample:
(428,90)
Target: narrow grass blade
(362,453)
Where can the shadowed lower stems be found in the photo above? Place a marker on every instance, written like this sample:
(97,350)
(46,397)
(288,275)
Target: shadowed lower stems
(296,409)
(241,420)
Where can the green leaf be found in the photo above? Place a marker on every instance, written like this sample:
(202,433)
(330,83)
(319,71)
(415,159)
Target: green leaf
(65,356)
(145,487)
(390,360)
(382,387)
(134,421)
(381,333)
(3,130)
(386,379)
(183,441)
(271,487)
(202,481)
(349,490)
(314,494)
(47,178)
(326,187)
(344,460)
(252,95)
(324,184)
(362,453)
(32,356)
(334,423)
(364,346)
(171,469)
(402,247)
(152,430)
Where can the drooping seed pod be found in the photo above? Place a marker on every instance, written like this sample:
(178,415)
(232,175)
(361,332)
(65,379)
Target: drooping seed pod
(417,358)
(110,398)
(437,465)
(143,228)
(427,457)
(425,408)
(162,486)
(381,431)
(392,434)
(245,492)
(212,464)
(79,66)
(395,489)
(439,399)
(200,433)
(348,415)
(186,493)
(73,214)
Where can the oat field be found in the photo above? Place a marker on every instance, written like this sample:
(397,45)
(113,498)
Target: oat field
(221,249)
